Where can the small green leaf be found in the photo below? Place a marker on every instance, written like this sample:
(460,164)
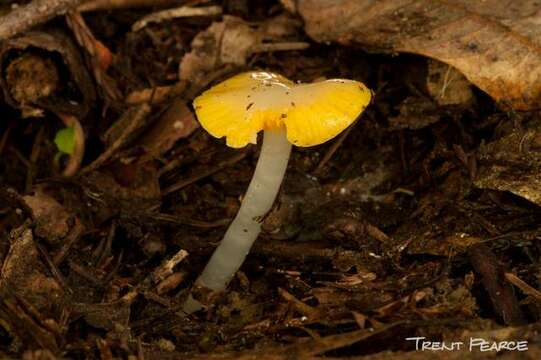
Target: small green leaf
(65,140)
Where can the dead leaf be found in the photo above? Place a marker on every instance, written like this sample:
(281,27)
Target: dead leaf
(512,164)
(108,314)
(52,220)
(231,42)
(494,43)
(100,56)
(24,274)
(447,86)
(54,223)
(177,122)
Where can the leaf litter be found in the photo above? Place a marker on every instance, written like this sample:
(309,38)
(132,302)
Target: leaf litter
(420,221)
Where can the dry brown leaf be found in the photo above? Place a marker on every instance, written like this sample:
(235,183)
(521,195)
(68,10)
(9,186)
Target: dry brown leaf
(512,164)
(52,219)
(177,122)
(100,56)
(231,42)
(447,86)
(24,274)
(494,43)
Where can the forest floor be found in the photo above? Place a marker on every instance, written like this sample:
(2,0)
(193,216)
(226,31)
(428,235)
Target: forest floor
(417,226)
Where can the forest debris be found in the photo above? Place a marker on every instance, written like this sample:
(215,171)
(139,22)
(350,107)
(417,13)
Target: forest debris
(219,167)
(156,94)
(107,315)
(501,293)
(283,46)
(74,95)
(290,5)
(306,310)
(447,86)
(166,269)
(184,11)
(524,286)
(332,149)
(177,122)
(27,323)
(415,113)
(53,269)
(493,45)
(231,42)
(512,163)
(24,274)
(53,222)
(226,42)
(320,346)
(30,78)
(351,228)
(170,282)
(350,281)
(426,242)
(37,12)
(165,345)
(122,131)
(100,56)
(153,245)
(40,354)
(133,188)
(95,5)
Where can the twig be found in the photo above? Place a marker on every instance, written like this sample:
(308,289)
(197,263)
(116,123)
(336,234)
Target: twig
(35,13)
(81,271)
(283,46)
(5,135)
(331,151)
(184,11)
(34,155)
(522,285)
(136,115)
(319,346)
(105,246)
(114,270)
(26,320)
(156,94)
(70,239)
(100,56)
(204,174)
(121,4)
(166,268)
(20,156)
(175,219)
(140,351)
(52,268)
(446,82)
(501,293)
(306,310)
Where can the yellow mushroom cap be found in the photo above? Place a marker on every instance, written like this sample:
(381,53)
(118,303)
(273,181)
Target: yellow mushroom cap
(311,114)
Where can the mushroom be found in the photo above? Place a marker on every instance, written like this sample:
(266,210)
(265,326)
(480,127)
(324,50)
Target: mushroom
(289,113)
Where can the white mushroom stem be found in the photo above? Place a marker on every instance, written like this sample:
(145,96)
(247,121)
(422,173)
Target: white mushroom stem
(245,228)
